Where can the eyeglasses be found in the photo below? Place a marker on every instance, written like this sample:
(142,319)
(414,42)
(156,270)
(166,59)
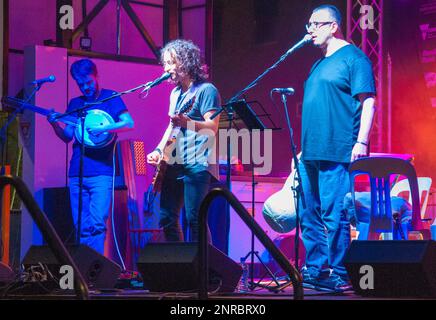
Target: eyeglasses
(317,25)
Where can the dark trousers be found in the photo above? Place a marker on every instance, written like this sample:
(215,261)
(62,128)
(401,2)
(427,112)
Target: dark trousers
(324,223)
(182,187)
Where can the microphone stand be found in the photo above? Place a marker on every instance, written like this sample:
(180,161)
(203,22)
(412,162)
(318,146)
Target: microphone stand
(11,117)
(302,42)
(119,94)
(82,116)
(298,190)
(3,142)
(81,113)
(297,193)
(229,110)
(228,107)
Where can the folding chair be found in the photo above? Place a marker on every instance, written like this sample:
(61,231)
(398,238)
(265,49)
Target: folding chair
(379,170)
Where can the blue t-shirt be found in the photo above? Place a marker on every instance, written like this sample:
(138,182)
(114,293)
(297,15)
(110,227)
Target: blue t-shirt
(331,106)
(194,150)
(96,161)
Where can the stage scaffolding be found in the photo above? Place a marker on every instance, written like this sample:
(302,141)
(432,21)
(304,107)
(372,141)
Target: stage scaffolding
(368,36)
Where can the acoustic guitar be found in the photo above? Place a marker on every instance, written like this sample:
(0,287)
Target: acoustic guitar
(93,117)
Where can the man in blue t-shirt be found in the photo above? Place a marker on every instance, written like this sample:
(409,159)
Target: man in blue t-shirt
(190,156)
(97,161)
(338,112)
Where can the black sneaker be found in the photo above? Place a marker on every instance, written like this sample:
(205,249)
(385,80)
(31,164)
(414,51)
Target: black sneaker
(310,281)
(334,283)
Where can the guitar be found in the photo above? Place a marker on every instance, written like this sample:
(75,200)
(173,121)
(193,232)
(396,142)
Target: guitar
(279,208)
(92,118)
(162,165)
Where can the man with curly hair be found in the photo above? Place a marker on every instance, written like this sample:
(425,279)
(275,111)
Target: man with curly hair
(190,162)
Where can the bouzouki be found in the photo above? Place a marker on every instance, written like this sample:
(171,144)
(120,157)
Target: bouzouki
(162,165)
(93,117)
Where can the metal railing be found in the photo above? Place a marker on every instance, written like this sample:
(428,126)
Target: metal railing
(48,232)
(278,256)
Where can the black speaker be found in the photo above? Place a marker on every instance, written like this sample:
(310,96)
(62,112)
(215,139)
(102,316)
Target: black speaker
(57,207)
(173,267)
(97,270)
(392,268)
(6,274)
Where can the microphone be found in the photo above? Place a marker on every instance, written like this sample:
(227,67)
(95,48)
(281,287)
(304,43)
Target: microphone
(288,91)
(159,80)
(306,39)
(39,82)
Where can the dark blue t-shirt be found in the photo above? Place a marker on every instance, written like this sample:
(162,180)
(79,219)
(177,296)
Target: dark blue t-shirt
(96,161)
(331,107)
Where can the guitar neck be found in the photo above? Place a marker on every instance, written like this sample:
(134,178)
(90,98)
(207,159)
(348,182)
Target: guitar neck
(36,109)
(70,120)
(45,112)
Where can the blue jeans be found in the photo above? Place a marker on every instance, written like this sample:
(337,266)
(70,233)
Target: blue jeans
(97,195)
(325,226)
(182,187)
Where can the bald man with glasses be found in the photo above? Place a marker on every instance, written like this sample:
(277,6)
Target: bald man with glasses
(338,112)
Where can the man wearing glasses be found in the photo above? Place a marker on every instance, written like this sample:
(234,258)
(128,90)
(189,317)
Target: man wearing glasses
(338,111)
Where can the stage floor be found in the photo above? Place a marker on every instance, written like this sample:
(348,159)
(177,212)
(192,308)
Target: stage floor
(257,294)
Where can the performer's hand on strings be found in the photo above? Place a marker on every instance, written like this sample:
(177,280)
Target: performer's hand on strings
(154,158)
(179,121)
(51,116)
(96,130)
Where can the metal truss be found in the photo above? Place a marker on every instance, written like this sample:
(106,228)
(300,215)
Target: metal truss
(370,40)
(131,14)
(172,27)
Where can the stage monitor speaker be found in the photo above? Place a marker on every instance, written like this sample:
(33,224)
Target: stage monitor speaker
(173,267)
(58,210)
(392,268)
(97,270)
(6,274)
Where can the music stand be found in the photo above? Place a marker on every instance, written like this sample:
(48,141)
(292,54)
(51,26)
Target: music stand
(246,116)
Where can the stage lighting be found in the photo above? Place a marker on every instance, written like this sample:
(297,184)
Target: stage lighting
(85,43)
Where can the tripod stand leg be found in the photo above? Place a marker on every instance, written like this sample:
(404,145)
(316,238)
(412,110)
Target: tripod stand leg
(268,270)
(252,285)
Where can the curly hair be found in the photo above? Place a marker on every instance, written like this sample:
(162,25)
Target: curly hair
(189,58)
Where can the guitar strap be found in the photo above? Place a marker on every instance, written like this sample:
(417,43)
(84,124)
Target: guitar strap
(184,97)
(180,102)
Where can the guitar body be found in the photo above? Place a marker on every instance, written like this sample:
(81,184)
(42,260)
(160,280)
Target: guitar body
(162,166)
(93,118)
(159,176)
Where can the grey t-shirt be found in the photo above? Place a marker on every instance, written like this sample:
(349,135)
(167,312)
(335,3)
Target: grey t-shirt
(196,151)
